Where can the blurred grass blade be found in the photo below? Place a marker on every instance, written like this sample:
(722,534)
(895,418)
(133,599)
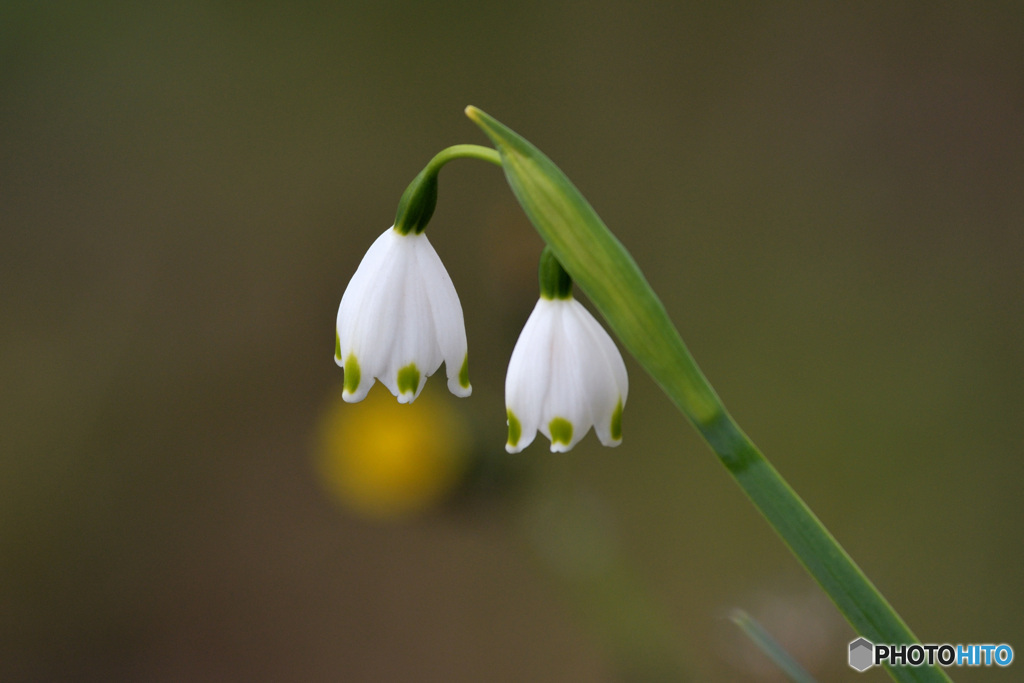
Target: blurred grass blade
(771,647)
(610,277)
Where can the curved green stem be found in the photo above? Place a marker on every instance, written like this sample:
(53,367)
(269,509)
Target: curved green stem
(478,152)
(419,199)
(610,277)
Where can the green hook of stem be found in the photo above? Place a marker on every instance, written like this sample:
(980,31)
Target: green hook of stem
(419,199)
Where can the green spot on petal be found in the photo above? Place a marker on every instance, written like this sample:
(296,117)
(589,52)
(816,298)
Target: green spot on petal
(464,373)
(515,430)
(408,379)
(561,430)
(352,374)
(617,421)
(337,346)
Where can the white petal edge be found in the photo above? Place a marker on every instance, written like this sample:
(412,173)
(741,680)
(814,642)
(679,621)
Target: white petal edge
(608,380)
(361,320)
(526,382)
(567,396)
(446,312)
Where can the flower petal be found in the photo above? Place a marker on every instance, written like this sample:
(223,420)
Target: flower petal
(607,381)
(363,315)
(446,313)
(413,353)
(567,415)
(356,292)
(526,382)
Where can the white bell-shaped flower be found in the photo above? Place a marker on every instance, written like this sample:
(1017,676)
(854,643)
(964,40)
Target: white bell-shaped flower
(565,375)
(399,318)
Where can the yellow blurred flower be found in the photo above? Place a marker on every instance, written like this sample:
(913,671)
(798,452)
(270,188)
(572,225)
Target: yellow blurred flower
(383,459)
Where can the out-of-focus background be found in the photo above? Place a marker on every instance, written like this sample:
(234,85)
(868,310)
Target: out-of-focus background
(829,200)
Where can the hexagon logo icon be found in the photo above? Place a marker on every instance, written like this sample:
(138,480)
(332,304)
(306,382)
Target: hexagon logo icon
(862,654)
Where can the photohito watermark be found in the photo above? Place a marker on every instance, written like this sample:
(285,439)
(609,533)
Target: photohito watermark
(864,654)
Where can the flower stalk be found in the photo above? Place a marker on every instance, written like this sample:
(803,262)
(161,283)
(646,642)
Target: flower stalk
(605,271)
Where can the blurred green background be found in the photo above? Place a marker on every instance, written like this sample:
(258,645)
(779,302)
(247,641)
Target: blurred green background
(829,200)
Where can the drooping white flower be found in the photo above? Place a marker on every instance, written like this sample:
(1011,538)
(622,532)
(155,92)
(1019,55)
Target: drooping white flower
(565,375)
(399,318)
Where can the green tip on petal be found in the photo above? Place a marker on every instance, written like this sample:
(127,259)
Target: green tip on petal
(464,373)
(352,374)
(561,430)
(515,430)
(337,347)
(408,379)
(617,421)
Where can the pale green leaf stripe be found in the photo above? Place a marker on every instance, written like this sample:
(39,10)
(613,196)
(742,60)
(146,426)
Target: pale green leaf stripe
(606,272)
